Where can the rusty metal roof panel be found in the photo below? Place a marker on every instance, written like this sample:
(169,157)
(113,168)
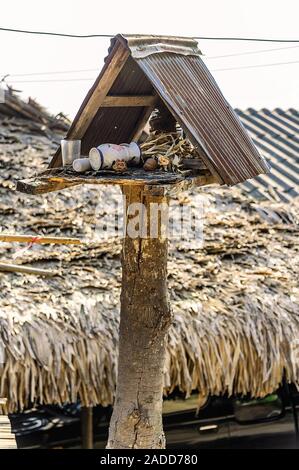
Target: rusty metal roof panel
(142,46)
(191,93)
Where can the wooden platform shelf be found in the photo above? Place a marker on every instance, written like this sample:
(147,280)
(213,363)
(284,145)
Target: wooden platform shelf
(55,179)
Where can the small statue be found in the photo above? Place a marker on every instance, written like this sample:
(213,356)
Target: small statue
(120,166)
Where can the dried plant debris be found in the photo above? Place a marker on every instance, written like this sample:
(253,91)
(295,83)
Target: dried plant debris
(235,299)
(170,151)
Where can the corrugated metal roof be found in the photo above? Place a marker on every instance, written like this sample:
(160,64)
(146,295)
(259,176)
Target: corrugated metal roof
(276,135)
(142,46)
(171,68)
(191,93)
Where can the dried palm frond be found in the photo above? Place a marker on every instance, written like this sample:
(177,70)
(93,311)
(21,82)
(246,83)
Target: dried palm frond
(235,303)
(235,299)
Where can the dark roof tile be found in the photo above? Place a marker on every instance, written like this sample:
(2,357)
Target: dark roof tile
(276,135)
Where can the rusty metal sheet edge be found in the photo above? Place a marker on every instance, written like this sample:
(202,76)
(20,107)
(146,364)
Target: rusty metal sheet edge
(142,46)
(234,158)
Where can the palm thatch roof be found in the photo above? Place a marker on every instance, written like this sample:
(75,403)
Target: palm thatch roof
(235,300)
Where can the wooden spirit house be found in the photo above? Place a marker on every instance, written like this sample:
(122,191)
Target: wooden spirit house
(142,75)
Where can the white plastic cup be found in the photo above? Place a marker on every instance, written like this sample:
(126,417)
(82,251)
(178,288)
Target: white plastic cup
(81,164)
(70,151)
(105,155)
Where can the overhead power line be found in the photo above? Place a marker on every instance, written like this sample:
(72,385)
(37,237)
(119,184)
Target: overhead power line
(245,39)
(52,80)
(260,51)
(257,66)
(92,78)
(85,36)
(57,72)
(64,35)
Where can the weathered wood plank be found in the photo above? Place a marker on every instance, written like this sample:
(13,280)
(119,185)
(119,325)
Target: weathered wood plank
(97,94)
(59,180)
(187,184)
(7,438)
(17,268)
(8,238)
(129,101)
(36,186)
(142,122)
(101,90)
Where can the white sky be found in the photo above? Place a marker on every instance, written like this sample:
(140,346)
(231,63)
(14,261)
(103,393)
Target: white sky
(261,87)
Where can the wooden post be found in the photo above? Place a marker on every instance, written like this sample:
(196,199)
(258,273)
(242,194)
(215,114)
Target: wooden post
(86,427)
(145,318)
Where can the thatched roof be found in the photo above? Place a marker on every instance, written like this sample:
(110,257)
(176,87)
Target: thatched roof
(235,300)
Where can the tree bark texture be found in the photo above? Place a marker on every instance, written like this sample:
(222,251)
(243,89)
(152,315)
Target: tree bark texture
(145,318)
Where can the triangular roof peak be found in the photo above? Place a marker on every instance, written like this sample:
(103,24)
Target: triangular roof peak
(139,72)
(142,45)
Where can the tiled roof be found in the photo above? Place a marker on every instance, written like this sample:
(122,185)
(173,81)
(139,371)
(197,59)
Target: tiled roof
(276,135)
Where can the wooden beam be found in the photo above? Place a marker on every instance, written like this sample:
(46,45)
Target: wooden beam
(17,268)
(45,184)
(193,164)
(36,186)
(87,427)
(95,98)
(7,438)
(129,101)
(184,185)
(7,238)
(142,122)
(104,84)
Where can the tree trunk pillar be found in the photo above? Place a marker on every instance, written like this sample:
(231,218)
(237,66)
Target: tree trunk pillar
(145,318)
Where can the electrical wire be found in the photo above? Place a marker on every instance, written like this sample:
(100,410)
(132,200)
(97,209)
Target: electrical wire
(256,66)
(244,39)
(57,72)
(84,36)
(64,35)
(52,80)
(260,51)
(31,74)
(92,78)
